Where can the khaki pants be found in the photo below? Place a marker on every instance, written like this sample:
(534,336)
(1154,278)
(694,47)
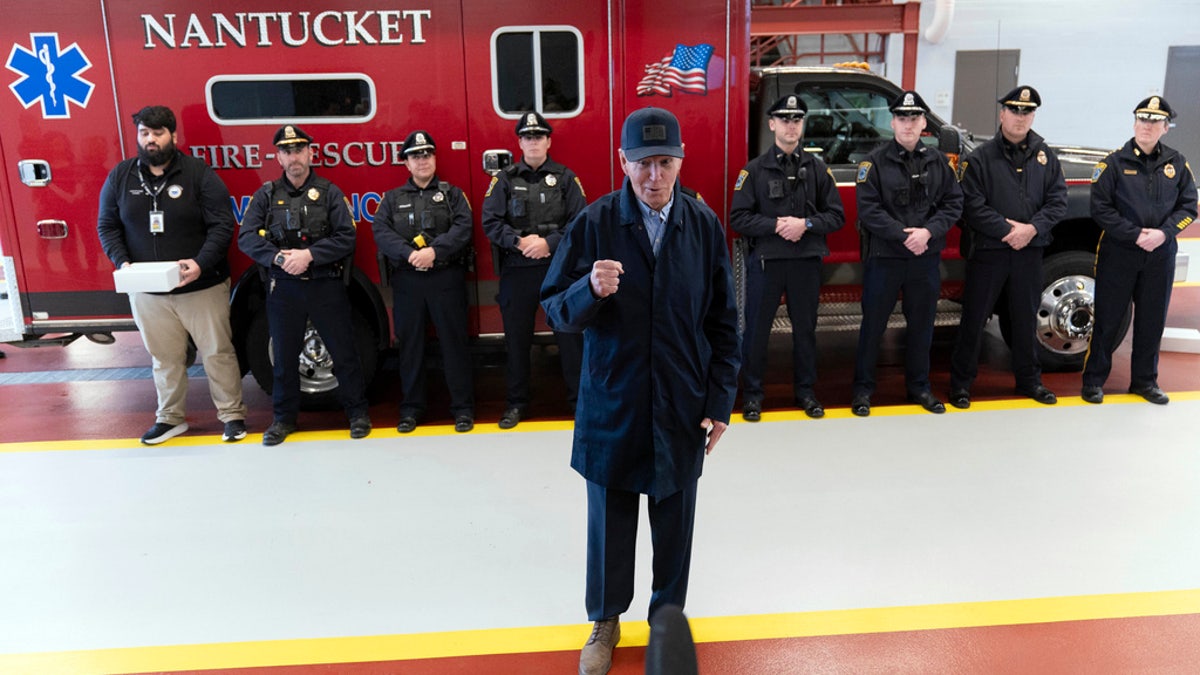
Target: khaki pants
(165,321)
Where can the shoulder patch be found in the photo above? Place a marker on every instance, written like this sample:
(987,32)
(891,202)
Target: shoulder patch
(351,210)
(741,179)
(490,186)
(1100,167)
(580,184)
(962,169)
(863,169)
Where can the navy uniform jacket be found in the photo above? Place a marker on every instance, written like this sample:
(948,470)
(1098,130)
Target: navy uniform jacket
(197,218)
(449,246)
(1131,191)
(994,189)
(660,354)
(497,218)
(326,251)
(761,194)
(890,199)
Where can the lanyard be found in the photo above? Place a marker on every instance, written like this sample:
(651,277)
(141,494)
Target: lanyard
(153,193)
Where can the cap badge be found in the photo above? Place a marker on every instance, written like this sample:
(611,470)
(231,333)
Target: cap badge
(1154,104)
(289,132)
(551,180)
(421,139)
(438,197)
(313,194)
(1025,95)
(1041,157)
(531,120)
(654,132)
(1169,171)
(791,102)
(908,99)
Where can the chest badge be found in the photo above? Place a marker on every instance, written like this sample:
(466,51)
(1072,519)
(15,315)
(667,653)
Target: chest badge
(176,191)
(551,180)
(1042,157)
(438,197)
(313,194)
(1169,171)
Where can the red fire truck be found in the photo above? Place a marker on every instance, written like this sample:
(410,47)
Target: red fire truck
(358,77)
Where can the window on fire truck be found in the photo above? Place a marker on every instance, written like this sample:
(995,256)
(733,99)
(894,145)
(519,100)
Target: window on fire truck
(537,68)
(270,99)
(843,124)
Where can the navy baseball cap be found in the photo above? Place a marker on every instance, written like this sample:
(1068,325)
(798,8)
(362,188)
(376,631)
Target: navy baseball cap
(649,132)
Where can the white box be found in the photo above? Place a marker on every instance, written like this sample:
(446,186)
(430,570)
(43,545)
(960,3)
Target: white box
(147,277)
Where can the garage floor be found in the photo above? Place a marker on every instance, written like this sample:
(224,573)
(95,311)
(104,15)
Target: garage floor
(1011,537)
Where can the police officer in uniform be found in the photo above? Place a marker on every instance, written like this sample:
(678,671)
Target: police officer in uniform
(525,210)
(784,203)
(1014,193)
(423,228)
(299,229)
(908,199)
(1143,195)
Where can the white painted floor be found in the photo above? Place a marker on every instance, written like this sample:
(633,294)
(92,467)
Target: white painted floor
(215,543)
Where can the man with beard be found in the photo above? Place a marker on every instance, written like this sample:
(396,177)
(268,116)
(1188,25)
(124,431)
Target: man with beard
(164,205)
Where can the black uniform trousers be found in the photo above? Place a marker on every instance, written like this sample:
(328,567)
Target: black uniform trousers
(291,303)
(612,540)
(441,295)
(989,272)
(800,280)
(884,280)
(520,290)
(1122,275)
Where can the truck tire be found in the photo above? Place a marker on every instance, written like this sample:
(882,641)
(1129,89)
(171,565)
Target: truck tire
(1066,312)
(318,386)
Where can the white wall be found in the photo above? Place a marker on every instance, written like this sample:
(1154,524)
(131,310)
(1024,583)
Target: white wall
(1091,60)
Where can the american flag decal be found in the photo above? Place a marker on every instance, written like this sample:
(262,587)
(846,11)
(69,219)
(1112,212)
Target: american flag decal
(685,69)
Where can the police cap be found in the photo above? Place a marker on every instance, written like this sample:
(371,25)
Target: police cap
(789,107)
(289,135)
(908,104)
(1021,99)
(418,141)
(532,124)
(649,132)
(1154,108)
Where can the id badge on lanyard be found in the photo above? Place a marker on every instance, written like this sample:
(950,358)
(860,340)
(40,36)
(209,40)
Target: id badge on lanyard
(156,222)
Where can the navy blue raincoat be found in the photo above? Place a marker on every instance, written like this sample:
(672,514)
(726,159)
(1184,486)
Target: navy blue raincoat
(660,354)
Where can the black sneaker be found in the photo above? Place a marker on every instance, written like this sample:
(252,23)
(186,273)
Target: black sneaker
(161,431)
(235,430)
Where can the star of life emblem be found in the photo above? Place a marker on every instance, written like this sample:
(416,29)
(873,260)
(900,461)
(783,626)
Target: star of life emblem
(50,75)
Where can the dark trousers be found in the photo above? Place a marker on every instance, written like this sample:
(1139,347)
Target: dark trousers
(884,280)
(291,303)
(1145,278)
(800,280)
(989,272)
(612,540)
(520,288)
(441,295)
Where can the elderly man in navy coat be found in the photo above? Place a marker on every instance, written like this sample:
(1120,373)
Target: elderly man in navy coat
(644,273)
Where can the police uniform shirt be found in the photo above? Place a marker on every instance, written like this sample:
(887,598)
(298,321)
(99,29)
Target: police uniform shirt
(550,180)
(1132,190)
(396,223)
(1003,180)
(764,191)
(898,189)
(255,239)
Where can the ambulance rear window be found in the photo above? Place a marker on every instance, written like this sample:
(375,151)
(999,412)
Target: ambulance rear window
(537,68)
(259,99)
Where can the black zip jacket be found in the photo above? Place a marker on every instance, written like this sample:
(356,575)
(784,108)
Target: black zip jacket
(1131,191)
(762,194)
(893,196)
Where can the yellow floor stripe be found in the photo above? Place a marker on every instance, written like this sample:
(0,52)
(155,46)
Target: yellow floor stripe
(570,638)
(563,425)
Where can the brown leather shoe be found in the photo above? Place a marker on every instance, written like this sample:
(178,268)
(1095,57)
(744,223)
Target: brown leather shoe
(596,657)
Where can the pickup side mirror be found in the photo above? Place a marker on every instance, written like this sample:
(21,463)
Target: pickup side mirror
(494,161)
(950,141)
